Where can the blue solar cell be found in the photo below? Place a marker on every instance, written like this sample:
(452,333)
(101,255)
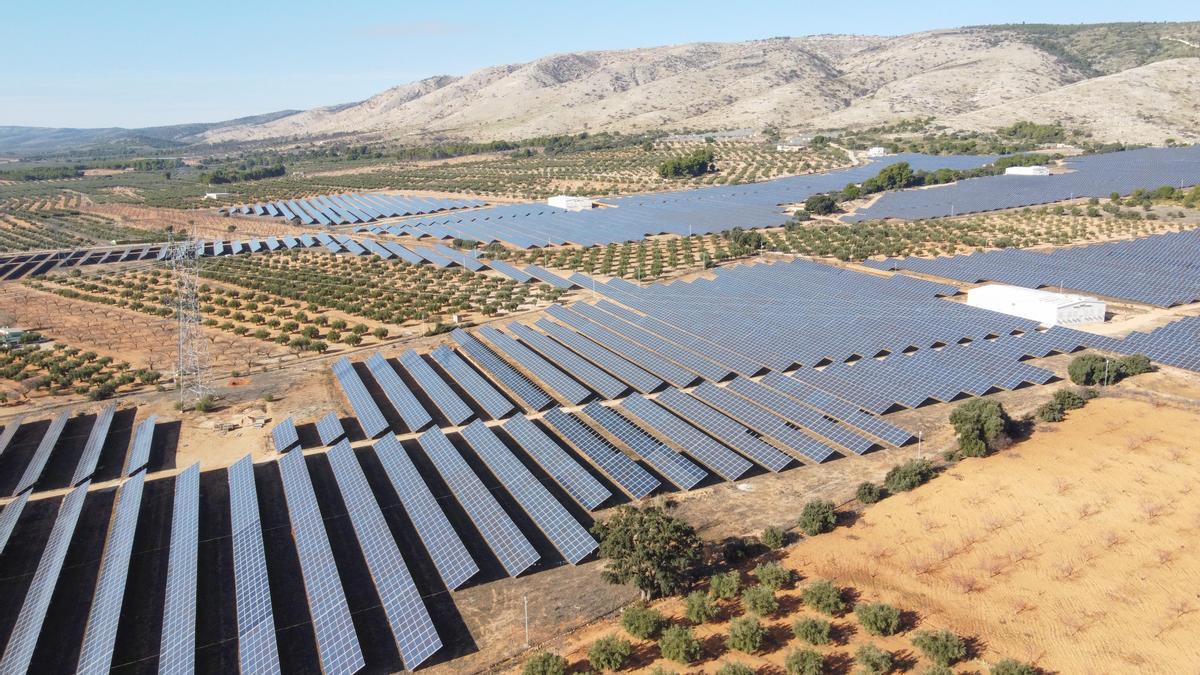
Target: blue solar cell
(573,478)
(479,389)
(622,470)
(448,402)
(728,464)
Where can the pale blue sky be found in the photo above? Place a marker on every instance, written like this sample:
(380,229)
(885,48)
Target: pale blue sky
(96,63)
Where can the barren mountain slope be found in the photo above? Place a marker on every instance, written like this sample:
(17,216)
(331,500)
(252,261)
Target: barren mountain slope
(1148,104)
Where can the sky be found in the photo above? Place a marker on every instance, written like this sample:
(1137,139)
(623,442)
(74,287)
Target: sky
(89,63)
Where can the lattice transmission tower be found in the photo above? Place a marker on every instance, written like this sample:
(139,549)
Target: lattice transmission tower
(192,367)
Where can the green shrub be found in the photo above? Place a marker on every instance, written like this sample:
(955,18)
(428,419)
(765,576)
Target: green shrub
(804,662)
(878,618)
(824,597)
(938,669)
(813,631)
(745,634)
(874,661)
(736,550)
(980,425)
(734,668)
(1134,364)
(724,586)
(609,653)
(772,575)
(1091,369)
(760,600)
(700,608)
(773,538)
(545,663)
(906,476)
(1068,399)
(868,492)
(942,647)
(641,622)
(679,644)
(818,517)
(1050,411)
(1012,667)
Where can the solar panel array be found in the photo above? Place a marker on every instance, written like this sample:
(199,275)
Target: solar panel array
(674,466)
(352,207)
(415,416)
(33,470)
(369,416)
(522,387)
(10,430)
(448,402)
(18,653)
(1160,269)
(284,435)
(177,645)
(450,556)
(329,428)
(801,416)
(644,358)
(632,374)
(1176,344)
(337,643)
(555,379)
(563,468)
(139,450)
(500,533)
(560,527)
(729,465)
(626,473)
(837,408)
(599,381)
(479,389)
(257,650)
(724,428)
(8,518)
(1089,176)
(763,421)
(100,636)
(416,638)
(95,443)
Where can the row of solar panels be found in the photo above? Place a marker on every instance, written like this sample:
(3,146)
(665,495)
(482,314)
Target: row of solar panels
(52,439)
(351,208)
(1176,344)
(104,610)
(1159,269)
(36,264)
(1088,176)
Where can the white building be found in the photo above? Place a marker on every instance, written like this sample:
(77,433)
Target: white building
(1027,171)
(570,203)
(217,195)
(876,152)
(1045,307)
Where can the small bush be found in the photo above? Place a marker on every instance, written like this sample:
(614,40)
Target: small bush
(1050,411)
(981,425)
(641,622)
(1134,364)
(679,644)
(1012,667)
(745,634)
(938,669)
(773,538)
(700,608)
(760,600)
(874,661)
(734,668)
(906,476)
(824,597)
(772,575)
(804,662)
(545,663)
(942,647)
(1069,399)
(1092,369)
(868,492)
(736,550)
(878,618)
(813,631)
(609,653)
(818,517)
(724,586)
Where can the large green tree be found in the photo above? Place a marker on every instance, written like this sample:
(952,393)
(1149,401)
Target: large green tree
(649,549)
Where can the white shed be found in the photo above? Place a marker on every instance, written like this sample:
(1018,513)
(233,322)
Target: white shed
(570,203)
(1027,171)
(1045,307)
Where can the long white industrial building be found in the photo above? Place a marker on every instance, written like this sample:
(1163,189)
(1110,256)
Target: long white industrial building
(1045,307)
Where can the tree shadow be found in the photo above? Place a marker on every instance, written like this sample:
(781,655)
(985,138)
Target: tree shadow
(909,620)
(903,660)
(789,604)
(713,647)
(840,633)
(839,663)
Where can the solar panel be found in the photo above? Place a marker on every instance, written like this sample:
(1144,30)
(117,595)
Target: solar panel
(448,402)
(329,428)
(728,464)
(801,415)
(510,271)
(411,411)
(724,428)
(560,527)
(10,430)
(677,468)
(33,471)
(18,653)
(95,443)
(503,537)
(622,470)
(522,387)
(177,645)
(763,421)
(631,374)
(843,410)
(416,638)
(623,346)
(257,651)
(555,379)
(8,519)
(284,435)
(100,636)
(449,555)
(581,485)
(369,417)
(599,381)
(337,644)
(492,401)
(548,277)
(139,450)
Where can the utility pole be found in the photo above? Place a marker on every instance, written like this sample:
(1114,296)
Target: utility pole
(192,374)
(525,598)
